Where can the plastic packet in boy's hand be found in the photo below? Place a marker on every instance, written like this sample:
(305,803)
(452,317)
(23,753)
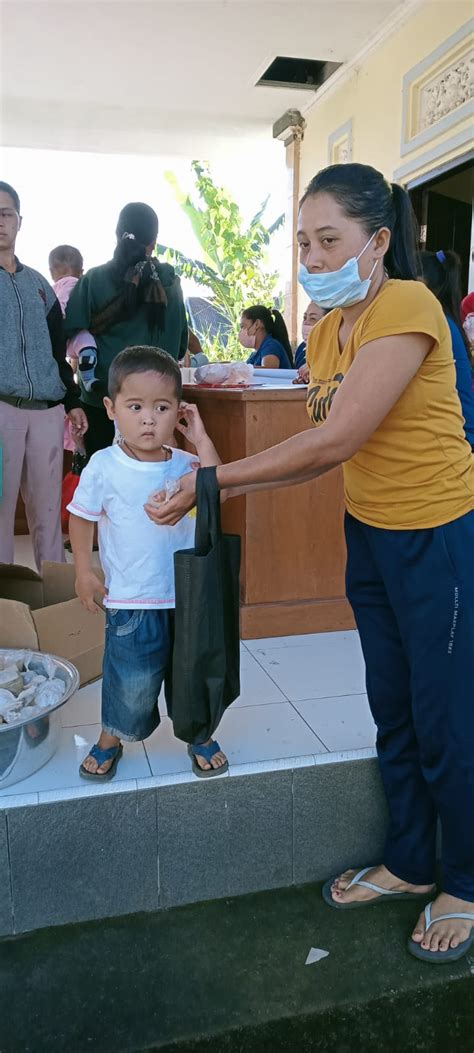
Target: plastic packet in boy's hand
(171,487)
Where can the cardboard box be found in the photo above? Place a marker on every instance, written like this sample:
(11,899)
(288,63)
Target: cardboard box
(43,612)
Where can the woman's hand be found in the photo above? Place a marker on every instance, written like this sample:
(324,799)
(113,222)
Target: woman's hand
(88,585)
(79,423)
(193,428)
(302,376)
(168,513)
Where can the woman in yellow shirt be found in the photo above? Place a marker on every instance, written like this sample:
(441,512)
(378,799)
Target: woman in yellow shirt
(382,395)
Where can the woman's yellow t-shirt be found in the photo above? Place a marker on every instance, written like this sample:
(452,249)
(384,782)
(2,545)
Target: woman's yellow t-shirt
(417,469)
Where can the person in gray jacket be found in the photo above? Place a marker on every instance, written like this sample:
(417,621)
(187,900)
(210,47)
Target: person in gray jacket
(36,387)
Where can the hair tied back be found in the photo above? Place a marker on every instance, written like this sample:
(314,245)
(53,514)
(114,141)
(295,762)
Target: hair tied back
(125,235)
(440,256)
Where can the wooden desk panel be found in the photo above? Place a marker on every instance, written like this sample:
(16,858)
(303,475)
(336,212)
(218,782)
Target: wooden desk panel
(293,557)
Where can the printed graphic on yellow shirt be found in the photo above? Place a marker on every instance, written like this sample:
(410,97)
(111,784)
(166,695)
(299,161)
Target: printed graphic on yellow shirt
(320,397)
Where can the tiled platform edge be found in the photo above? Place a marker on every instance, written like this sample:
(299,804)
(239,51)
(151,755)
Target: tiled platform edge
(161,842)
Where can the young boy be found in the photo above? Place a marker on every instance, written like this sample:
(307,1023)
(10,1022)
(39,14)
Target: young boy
(137,556)
(66,266)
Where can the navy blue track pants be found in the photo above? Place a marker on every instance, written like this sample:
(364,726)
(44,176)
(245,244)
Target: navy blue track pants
(412,592)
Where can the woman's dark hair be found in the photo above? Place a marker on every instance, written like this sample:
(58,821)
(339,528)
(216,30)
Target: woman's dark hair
(441,272)
(273,323)
(365,195)
(143,359)
(7,189)
(138,275)
(137,228)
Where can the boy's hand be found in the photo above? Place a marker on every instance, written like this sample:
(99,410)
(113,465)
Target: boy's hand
(88,586)
(170,512)
(79,423)
(193,428)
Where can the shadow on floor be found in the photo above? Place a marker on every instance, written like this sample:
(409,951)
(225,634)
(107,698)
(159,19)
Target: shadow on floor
(230,976)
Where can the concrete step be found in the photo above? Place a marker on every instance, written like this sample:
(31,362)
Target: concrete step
(230,976)
(160,842)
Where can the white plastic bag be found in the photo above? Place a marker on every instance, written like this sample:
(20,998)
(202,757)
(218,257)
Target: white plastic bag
(225,374)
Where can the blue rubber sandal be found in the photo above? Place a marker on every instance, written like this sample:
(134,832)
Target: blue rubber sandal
(383,893)
(453,953)
(101,756)
(207,752)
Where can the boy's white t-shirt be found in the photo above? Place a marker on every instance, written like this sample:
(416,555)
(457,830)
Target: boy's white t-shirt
(136,554)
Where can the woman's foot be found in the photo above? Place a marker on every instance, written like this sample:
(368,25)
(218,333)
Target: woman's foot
(105,742)
(444,935)
(217,761)
(378,876)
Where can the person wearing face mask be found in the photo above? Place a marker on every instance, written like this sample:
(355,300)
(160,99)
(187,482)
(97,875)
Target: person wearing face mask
(383,399)
(311,317)
(263,331)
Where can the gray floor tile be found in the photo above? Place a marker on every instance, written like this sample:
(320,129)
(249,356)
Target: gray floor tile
(342,723)
(224,838)
(261,733)
(62,770)
(332,664)
(340,818)
(83,859)
(6,924)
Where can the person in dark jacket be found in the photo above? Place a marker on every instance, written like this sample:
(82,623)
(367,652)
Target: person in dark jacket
(36,387)
(442,274)
(132,300)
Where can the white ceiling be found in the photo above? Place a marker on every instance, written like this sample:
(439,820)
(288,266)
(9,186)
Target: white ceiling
(161,77)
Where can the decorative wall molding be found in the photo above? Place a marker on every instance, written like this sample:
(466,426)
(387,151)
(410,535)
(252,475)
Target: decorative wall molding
(438,93)
(437,152)
(340,145)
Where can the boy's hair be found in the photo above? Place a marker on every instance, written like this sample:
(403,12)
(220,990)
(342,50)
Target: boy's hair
(143,359)
(7,189)
(67,259)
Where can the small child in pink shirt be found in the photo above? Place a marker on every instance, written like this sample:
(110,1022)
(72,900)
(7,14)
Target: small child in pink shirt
(66,267)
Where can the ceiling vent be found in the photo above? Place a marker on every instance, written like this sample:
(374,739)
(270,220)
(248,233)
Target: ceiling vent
(298,73)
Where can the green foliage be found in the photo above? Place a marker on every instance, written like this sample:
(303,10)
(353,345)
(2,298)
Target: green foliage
(233,259)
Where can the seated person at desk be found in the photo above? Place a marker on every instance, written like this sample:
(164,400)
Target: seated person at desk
(264,331)
(312,315)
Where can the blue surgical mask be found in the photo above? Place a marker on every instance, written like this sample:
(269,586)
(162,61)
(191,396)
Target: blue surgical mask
(341,288)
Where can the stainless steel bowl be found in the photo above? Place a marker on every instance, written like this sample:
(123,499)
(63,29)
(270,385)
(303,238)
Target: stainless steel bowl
(29,744)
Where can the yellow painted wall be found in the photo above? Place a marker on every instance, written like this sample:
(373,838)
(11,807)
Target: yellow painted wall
(372,96)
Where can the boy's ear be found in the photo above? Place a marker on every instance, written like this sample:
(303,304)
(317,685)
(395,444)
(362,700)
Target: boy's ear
(110,408)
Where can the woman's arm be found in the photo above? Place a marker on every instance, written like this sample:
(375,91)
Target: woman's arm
(55,324)
(373,385)
(270,362)
(79,310)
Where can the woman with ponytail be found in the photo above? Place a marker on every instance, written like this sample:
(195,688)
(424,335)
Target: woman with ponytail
(263,330)
(132,300)
(442,274)
(382,396)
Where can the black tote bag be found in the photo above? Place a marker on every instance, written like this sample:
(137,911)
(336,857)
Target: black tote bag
(206,653)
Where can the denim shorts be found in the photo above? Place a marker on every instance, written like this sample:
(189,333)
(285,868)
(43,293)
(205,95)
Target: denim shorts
(137,661)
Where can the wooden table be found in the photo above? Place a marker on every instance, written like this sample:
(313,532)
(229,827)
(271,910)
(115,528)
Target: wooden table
(293,549)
